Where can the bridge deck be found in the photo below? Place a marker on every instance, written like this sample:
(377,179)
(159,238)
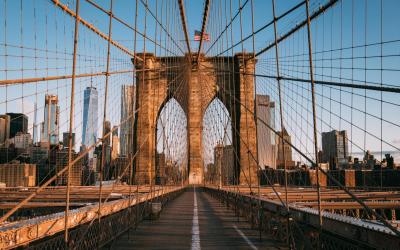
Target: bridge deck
(177,228)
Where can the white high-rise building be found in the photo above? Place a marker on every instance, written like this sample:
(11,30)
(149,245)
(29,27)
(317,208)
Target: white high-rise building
(265,136)
(51,122)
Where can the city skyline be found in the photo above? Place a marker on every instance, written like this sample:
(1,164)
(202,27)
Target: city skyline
(251,123)
(53,100)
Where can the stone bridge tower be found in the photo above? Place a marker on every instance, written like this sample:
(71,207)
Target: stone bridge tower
(194,87)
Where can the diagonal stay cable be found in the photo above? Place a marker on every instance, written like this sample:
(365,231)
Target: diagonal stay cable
(226,28)
(93,28)
(365,206)
(128,26)
(62,171)
(251,154)
(263,27)
(203,27)
(145,4)
(303,23)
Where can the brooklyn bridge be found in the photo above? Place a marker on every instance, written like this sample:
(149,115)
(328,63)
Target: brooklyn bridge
(215,124)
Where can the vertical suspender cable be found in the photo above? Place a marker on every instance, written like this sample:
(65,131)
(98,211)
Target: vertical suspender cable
(71,122)
(256,122)
(243,73)
(103,151)
(314,111)
(135,117)
(281,112)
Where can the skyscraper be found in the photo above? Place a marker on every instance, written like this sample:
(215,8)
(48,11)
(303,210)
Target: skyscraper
(127,107)
(51,120)
(90,117)
(39,156)
(335,148)
(280,160)
(18,123)
(76,169)
(265,136)
(4,129)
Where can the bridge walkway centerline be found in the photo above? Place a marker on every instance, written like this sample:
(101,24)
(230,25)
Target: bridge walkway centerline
(218,228)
